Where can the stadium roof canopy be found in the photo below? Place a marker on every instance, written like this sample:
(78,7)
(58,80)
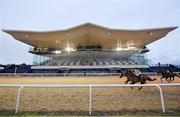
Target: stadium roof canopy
(90,34)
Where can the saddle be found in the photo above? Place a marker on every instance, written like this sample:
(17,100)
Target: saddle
(140,77)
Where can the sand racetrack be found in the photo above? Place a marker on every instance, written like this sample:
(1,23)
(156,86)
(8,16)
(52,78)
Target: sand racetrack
(74,101)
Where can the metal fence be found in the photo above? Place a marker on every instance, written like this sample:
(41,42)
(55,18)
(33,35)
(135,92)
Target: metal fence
(64,74)
(20,87)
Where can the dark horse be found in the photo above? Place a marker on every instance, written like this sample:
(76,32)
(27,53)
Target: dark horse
(167,74)
(142,78)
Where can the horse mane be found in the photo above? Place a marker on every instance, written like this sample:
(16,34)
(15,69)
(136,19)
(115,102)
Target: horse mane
(129,71)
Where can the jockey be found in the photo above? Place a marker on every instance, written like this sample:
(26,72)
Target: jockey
(136,72)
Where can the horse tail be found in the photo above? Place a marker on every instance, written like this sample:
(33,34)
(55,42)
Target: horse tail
(149,79)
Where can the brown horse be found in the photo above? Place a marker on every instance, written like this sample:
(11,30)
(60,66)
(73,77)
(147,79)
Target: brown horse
(167,75)
(142,78)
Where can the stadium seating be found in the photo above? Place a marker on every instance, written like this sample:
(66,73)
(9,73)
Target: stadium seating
(90,59)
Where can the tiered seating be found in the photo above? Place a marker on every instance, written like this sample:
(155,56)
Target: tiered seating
(71,62)
(91,58)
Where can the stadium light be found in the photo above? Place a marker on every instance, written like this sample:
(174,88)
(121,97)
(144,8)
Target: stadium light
(68,49)
(118,49)
(57,52)
(128,48)
(132,48)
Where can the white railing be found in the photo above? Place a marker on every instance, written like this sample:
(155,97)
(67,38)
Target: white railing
(55,74)
(64,74)
(90,90)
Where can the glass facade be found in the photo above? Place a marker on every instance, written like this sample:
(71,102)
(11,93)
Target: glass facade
(40,59)
(91,58)
(140,58)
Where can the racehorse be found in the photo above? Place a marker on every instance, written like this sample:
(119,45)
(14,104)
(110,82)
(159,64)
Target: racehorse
(167,74)
(142,78)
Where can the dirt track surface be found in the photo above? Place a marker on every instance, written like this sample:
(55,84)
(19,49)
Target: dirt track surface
(74,101)
(74,80)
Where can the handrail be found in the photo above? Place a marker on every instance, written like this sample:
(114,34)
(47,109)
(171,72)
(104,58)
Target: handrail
(90,86)
(63,74)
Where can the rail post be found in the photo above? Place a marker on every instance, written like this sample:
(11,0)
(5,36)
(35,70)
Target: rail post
(20,87)
(162,98)
(90,99)
(17,99)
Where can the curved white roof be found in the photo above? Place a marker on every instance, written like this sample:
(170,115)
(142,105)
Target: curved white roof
(90,34)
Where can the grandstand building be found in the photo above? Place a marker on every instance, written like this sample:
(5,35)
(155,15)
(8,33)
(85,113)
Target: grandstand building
(89,46)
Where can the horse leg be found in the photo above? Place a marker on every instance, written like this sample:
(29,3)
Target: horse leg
(131,83)
(161,79)
(172,79)
(166,78)
(169,80)
(126,81)
(140,88)
(142,83)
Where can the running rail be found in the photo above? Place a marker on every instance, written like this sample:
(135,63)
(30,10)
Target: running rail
(63,74)
(20,87)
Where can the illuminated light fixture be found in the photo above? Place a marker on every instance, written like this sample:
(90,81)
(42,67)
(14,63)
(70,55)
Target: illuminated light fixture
(57,52)
(68,49)
(128,48)
(120,49)
(132,48)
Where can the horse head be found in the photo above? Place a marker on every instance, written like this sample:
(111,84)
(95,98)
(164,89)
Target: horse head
(121,74)
(126,73)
